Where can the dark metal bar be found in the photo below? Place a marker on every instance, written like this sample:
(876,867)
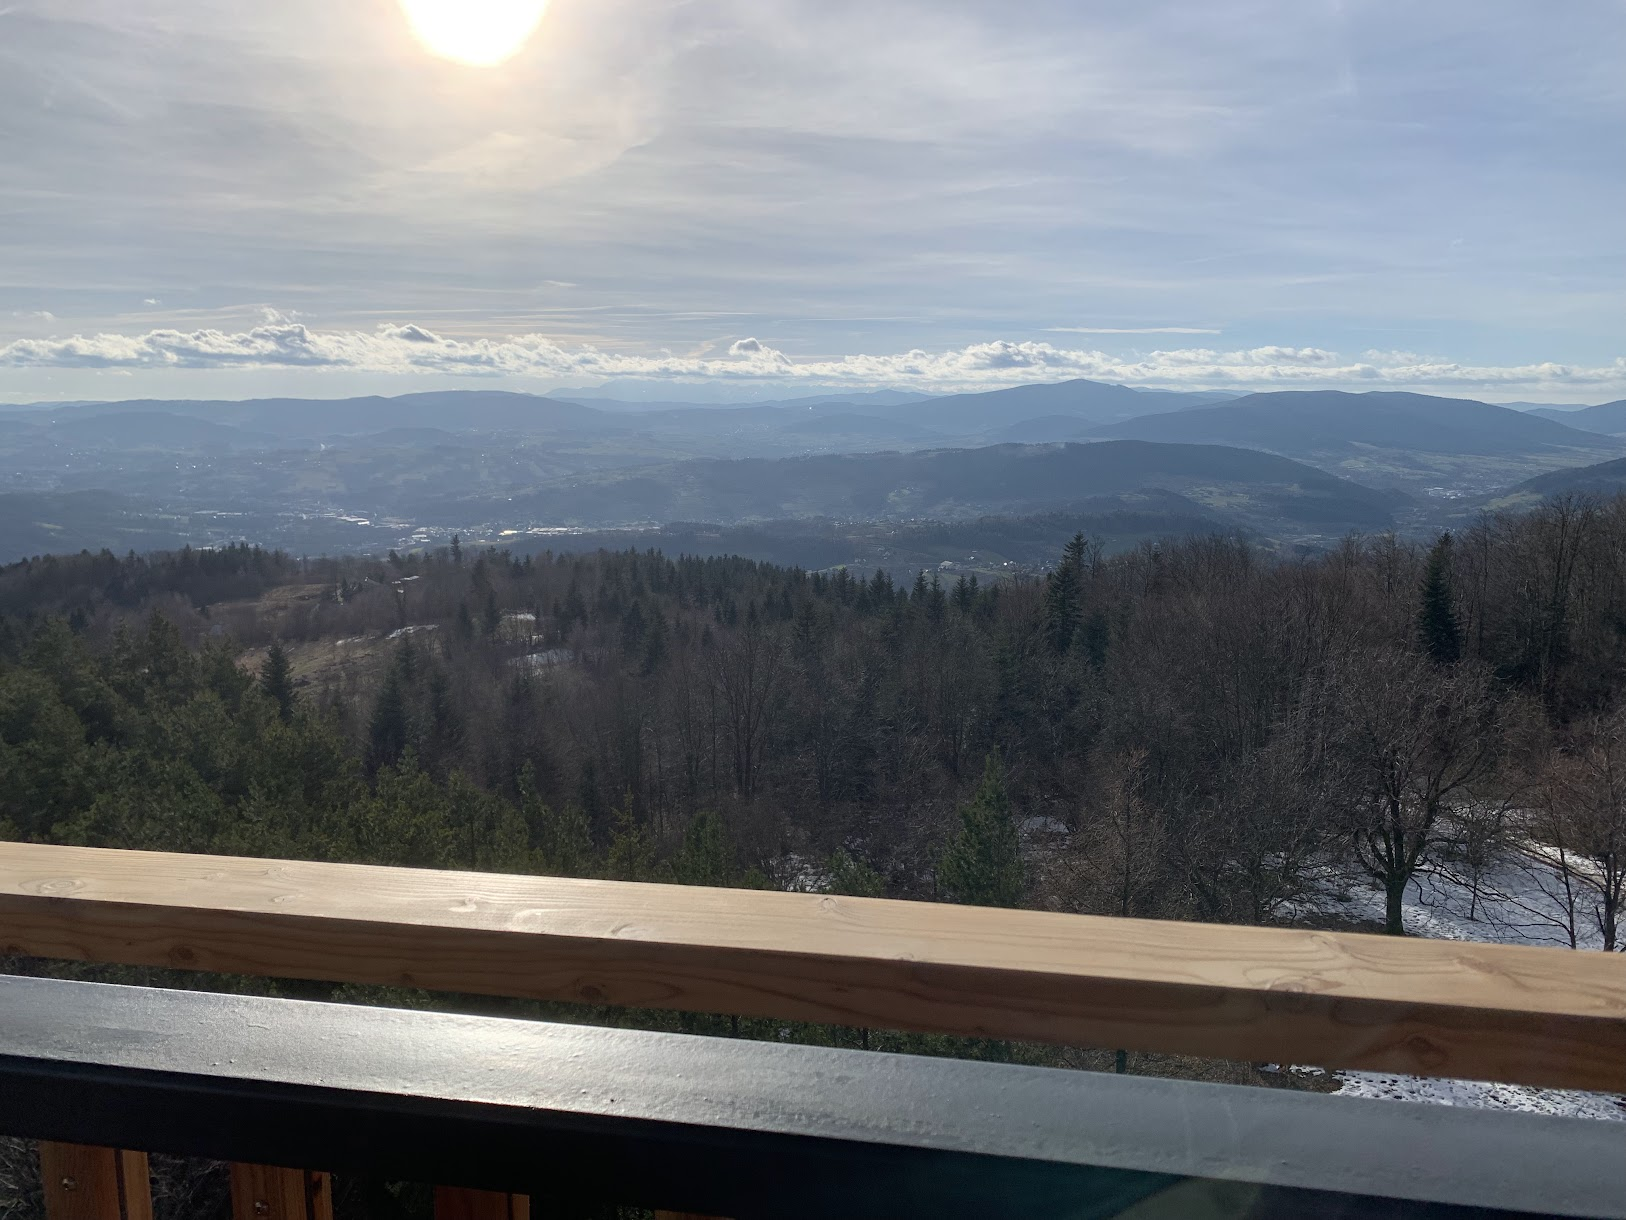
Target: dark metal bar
(748,1129)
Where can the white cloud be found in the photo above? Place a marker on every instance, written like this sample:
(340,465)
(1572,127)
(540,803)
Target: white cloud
(407,348)
(1129,330)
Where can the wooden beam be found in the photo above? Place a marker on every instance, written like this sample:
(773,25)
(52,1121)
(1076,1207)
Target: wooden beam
(85,1183)
(458,1203)
(1517,1014)
(270,1192)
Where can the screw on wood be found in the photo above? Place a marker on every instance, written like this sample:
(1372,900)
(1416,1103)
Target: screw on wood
(70,1183)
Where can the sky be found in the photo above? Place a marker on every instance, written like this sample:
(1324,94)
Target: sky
(230,198)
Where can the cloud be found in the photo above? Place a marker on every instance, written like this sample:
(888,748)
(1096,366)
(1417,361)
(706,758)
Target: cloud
(407,348)
(1129,330)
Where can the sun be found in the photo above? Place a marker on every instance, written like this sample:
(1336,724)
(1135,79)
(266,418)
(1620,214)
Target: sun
(475,32)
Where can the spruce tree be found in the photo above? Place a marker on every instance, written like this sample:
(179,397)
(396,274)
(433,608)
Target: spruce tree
(1064,595)
(982,865)
(276,680)
(388,733)
(1438,632)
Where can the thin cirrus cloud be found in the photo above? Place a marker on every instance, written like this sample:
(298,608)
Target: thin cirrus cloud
(407,348)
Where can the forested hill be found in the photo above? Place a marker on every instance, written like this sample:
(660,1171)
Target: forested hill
(1602,479)
(1607,417)
(1250,487)
(1191,729)
(1305,422)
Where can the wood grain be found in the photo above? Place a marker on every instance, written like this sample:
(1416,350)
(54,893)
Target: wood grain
(1445,1008)
(458,1203)
(82,1182)
(270,1192)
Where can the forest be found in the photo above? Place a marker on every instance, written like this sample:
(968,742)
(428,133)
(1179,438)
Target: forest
(1196,729)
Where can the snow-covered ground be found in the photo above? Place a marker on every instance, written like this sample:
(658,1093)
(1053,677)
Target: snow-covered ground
(1482,1095)
(1519,903)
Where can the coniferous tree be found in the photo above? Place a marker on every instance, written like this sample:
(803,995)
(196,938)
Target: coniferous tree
(632,855)
(1064,594)
(276,680)
(706,856)
(853,877)
(982,865)
(655,644)
(563,840)
(1438,631)
(387,734)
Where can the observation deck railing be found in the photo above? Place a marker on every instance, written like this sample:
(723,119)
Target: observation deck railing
(525,1117)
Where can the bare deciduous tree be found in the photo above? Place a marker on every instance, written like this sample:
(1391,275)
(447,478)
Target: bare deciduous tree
(1581,822)
(1412,738)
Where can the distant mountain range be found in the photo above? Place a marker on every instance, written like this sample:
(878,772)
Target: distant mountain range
(1322,421)
(1413,442)
(1608,418)
(896,417)
(360,473)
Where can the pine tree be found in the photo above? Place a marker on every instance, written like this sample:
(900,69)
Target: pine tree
(982,865)
(276,680)
(1438,632)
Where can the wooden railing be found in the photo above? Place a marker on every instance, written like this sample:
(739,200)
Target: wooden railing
(1445,1008)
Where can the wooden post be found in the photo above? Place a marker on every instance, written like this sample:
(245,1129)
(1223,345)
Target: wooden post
(268,1192)
(457,1203)
(86,1183)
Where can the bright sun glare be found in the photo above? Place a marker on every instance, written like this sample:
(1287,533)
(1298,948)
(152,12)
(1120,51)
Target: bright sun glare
(476,32)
